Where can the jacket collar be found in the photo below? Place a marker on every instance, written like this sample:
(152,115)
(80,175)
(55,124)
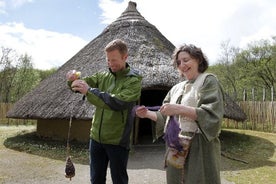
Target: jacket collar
(121,73)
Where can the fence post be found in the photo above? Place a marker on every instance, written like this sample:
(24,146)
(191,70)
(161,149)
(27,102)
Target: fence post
(244,95)
(272,110)
(244,124)
(263,110)
(272,94)
(253,109)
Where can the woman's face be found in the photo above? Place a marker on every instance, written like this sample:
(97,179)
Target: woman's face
(116,62)
(187,65)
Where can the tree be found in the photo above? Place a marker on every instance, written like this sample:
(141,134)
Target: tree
(43,74)
(7,73)
(259,63)
(26,78)
(17,75)
(241,70)
(226,70)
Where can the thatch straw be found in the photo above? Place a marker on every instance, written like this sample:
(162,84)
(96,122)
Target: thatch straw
(149,51)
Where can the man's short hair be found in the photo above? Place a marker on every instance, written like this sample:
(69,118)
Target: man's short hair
(117,44)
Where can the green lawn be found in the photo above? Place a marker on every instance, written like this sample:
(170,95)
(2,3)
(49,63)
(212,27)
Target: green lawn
(251,156)
(256,152)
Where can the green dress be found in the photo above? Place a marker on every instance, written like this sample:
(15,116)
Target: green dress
(202,165)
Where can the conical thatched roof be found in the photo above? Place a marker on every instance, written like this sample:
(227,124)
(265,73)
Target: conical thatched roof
(149,51)
(233,110)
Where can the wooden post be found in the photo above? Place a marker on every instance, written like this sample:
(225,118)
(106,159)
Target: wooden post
(253,108)
(272,94)
(136,131)
(272,109)
(136,128)
(244,103)
(263,110)
(244,95)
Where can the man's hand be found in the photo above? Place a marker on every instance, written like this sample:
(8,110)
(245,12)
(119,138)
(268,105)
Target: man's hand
(80,86)
(141,111)
(73,75)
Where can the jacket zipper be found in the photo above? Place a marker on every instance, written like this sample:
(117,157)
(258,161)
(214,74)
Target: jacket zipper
(101,126)
(123,117)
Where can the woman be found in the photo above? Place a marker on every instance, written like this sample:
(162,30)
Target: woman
(197,104)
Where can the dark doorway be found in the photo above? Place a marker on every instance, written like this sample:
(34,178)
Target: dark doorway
(149,98)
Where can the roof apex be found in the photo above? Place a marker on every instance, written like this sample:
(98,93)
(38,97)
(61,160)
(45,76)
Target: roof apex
(130,13)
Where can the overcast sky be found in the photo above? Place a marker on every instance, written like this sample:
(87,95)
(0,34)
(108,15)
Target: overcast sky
(53,31)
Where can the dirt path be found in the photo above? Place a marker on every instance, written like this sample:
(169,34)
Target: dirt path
(145,167)
(17,167)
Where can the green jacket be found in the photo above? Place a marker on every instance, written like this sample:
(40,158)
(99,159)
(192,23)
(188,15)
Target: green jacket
(113,95)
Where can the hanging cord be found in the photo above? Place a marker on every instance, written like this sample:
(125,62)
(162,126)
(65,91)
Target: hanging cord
(68,137)
(69,168)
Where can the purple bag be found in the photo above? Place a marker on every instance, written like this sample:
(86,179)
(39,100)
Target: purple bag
(172,134)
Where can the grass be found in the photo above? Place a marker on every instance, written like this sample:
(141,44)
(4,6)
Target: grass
(27,141)
(251,156)
(257,149)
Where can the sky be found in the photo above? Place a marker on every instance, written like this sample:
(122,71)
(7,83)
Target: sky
(53,31)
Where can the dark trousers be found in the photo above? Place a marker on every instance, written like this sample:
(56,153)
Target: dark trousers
(101,155)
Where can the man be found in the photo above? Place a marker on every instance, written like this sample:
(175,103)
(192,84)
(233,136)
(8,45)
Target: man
(113,93)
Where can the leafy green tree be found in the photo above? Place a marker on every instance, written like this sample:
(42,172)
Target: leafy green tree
(244,70)
(43,74)
(7,73)
(17,75)
(226,70)
(26,78)
(259,64)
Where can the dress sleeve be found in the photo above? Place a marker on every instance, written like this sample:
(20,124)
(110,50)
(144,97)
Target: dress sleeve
(210,108)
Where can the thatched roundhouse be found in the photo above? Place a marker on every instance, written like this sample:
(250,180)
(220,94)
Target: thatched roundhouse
(52,103)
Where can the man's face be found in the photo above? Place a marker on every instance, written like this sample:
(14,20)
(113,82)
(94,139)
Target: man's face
(116,61)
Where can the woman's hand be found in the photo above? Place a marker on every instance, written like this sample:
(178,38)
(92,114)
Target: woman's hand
(178,109)
(170,109)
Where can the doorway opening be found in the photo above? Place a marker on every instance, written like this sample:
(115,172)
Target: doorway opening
(152,97)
